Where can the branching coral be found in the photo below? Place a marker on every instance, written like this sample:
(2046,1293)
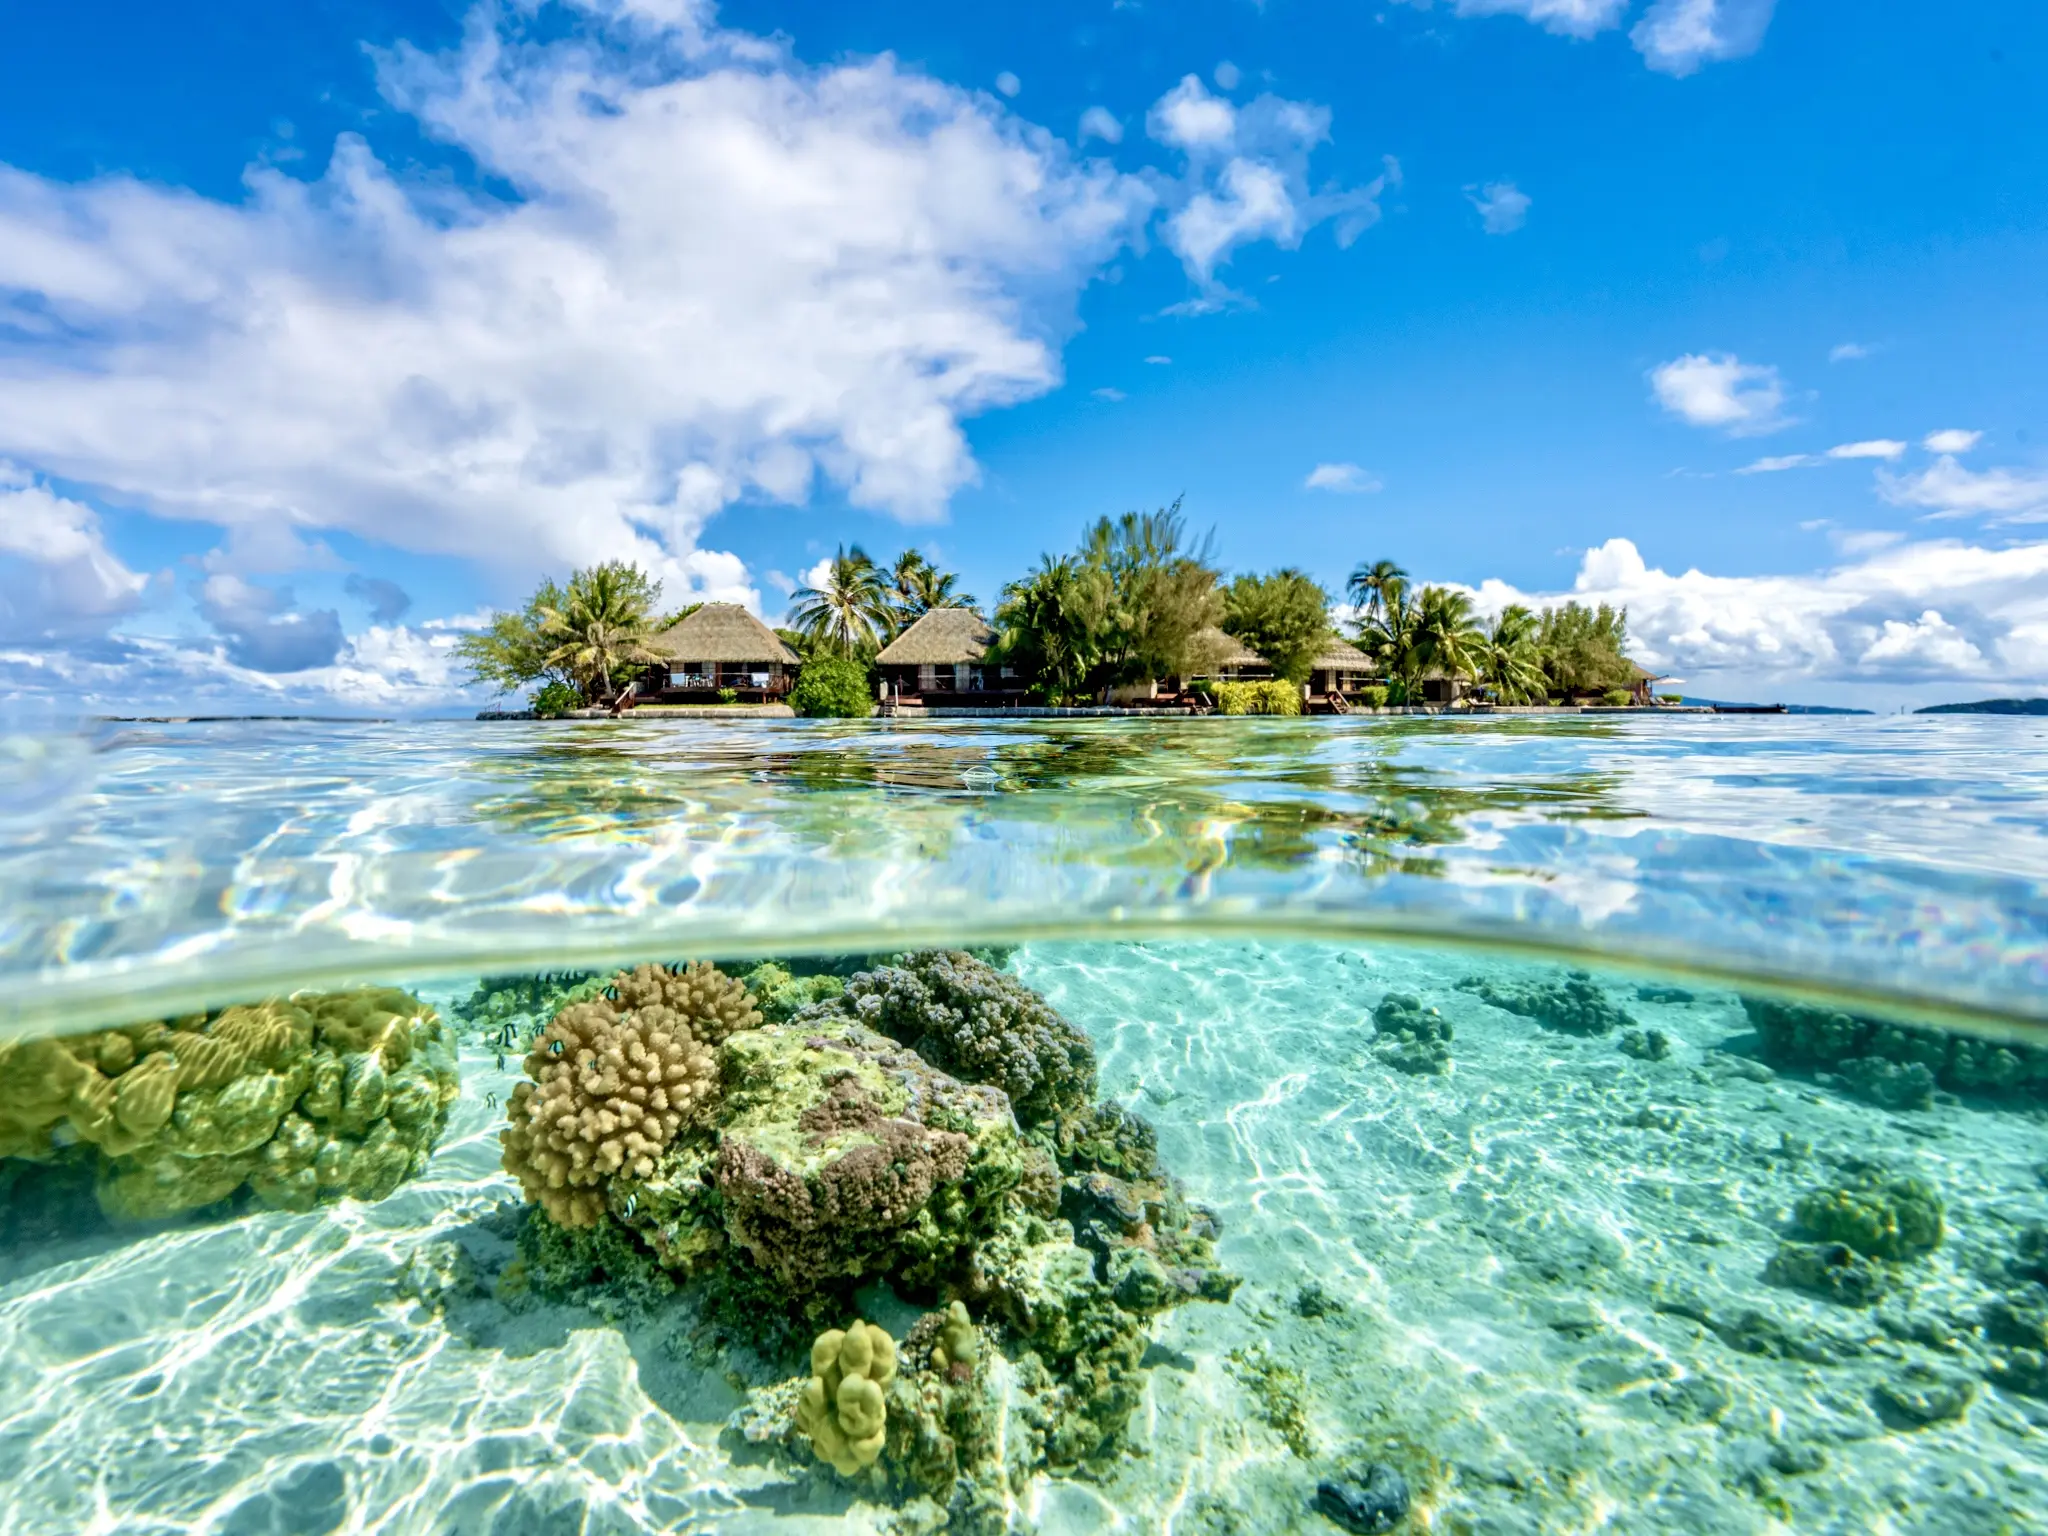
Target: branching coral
(614,1079)
(980,1024)
(300,1099)
(843,1407)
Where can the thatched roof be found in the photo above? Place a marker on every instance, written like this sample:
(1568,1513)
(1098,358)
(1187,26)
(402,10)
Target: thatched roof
(1341,656)
(722,632)
(1211,650)
(941,637)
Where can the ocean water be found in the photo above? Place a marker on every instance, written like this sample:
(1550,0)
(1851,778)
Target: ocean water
(1560,1259)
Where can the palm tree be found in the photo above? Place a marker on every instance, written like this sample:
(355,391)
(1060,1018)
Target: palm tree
(917,587)
(848,610)
(600,623)
(1446,636)
(1371,585)
(1509,660)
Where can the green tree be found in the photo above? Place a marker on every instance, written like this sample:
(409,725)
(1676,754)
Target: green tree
(916,587)
(1385,631)
(1161,591)
(1046,627)
(1509,661)
(848,612)
(600,627)
(1285,617)
(1584,649)
(835,688)
(1446,637)
(510,651)
(1370,585)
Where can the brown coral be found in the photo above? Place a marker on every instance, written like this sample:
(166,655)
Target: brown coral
(613,1082)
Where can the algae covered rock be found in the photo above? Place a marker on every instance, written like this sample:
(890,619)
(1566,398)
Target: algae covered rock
(1574,1004)
(782,995)
(1880,1216)
(843,1408)
(980,1024)
(1410,1037)
(299,1100)
(1859,1048)
(1833,1271)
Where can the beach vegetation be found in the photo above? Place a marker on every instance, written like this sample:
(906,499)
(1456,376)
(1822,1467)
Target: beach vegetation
(1284,616)
(588,635)
(847,612)
(1584,649)
(1268,696)
(833,688)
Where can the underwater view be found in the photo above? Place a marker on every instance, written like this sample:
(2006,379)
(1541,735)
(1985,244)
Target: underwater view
(1480,1126)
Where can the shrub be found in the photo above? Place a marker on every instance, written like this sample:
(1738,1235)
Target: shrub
(834,688)
(1616,696)
(1372,696)
(554,699)
(1267,698)
(728,695)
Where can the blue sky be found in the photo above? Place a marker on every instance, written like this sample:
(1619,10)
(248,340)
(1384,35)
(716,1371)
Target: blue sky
(325,328)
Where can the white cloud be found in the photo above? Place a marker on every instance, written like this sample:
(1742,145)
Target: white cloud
(1774,463)
(1503,207)
(1227,75)
(1675,37)
(1108,393)
(1008,83)
(816,576)
(723,273)
(1247,180)
(57,575)
(1101,123)
(1720,390)
(1159,359)
(1569,18)
(1952,490)
(1874,448)
(1848,352)
(1896,612)
(1347,478)
(1951,440)
(263,631)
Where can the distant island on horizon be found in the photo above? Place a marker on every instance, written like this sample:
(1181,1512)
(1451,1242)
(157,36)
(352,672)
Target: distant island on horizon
(1989,707)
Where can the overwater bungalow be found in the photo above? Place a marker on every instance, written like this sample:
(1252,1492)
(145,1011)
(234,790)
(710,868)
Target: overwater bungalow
(718,648)
(942,659)
(1224,658)
(1340,668)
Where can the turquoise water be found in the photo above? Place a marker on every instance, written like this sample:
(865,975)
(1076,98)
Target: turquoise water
(1547,1282)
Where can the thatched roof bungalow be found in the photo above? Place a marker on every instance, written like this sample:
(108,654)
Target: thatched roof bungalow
(722,646)
(1339,668)
(1212,653)
(946,652)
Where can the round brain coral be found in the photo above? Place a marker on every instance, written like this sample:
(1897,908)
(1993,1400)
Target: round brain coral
(614,1080)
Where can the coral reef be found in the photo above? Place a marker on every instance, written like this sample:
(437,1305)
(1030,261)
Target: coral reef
(298,1100)
(1574,1005)
(504,1008)
(1880,1216)
(968,1018)
(1409,1037)
(614,1079)
(843,1407)
(1861,1049)
(781,996)
(1368,1499)
(1645,1044)
(1834,1271)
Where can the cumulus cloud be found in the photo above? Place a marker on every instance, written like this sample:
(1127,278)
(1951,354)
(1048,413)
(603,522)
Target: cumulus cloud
(1675,37)
(1247,179)
(1720,390)
(1348,478)
(1902,612)
(1503,207)
(57,575)
(1951,440)
(1772,464)
(1101,123)
(1953,491)
(386,600)
(261,628)
(1874,448)
(1568,18)
(711,273)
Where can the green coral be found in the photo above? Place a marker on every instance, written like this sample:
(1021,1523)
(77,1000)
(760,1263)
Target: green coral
(1895,1064)
(296,1100)
(781,996)
(1880,1216)
(843,1408)
(1573,1004)
(1410,1037)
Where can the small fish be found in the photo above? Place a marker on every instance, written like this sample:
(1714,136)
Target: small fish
(490,1101)
(556,1048)
(632,1204)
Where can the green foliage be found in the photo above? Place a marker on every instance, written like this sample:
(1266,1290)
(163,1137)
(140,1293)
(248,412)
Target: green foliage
(1046,628)
(510,652)
(1509,661)
(833,688)
(1284,617)
(1272,697)
(848,612)
(673,619)
(600,625)
(1161,593)
(728,695)
(1616,697)
(916,587)
(554,699)
(1373,696)
(1582,648)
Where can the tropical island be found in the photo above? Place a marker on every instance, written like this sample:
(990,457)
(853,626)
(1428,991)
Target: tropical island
(1139,616)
